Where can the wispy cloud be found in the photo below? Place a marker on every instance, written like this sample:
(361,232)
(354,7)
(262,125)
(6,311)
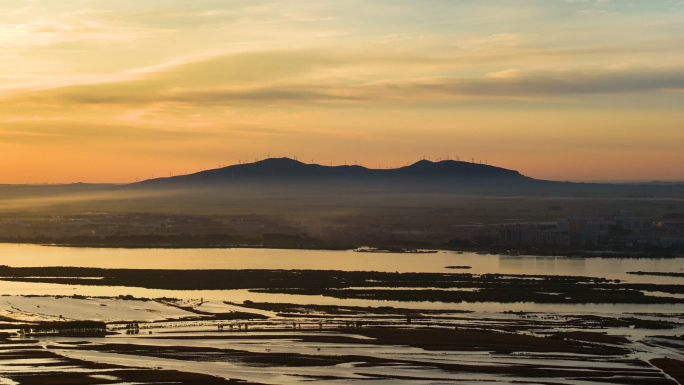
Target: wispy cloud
(516,84)
(101,77)
(259,78)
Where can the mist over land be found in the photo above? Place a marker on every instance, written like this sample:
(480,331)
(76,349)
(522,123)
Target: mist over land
(284,177)
(428,204)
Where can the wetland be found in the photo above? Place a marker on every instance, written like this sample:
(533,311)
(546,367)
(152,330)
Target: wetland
(335,317)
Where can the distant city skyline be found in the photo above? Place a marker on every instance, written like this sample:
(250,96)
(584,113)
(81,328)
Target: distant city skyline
(110,91)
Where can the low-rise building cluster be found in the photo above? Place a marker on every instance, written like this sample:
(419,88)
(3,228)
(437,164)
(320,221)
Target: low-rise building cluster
(606,228)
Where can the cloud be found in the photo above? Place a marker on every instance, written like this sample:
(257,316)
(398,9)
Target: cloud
(491,41)
(514,84)
(290,94)
(230,82)
(34,119)
(49,32)
(176,13)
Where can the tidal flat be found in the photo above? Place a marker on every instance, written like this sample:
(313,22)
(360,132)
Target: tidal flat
(289,343)
(433,287)
(431,325)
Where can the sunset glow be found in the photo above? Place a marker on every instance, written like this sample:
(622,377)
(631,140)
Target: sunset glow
(114,91)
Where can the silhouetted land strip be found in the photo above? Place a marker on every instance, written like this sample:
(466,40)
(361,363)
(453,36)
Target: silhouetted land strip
(602,338)
(473,340)
(671,342)
(527,322)
(507,294)
(655,273)
(283,309)
(55,369)
(428,339)
(181,241)
(234,315)
(674,368)
(299,242)
(443,287)
(91,328)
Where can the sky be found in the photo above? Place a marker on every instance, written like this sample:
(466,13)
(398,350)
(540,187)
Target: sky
(120,90)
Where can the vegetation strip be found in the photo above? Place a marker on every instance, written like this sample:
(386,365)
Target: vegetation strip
(374,285)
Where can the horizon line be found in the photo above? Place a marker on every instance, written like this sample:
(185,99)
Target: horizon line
(295,159)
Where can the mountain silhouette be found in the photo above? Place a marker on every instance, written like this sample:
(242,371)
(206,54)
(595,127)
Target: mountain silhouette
(286,169)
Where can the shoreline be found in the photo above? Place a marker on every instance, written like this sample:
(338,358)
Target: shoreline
(500,251)
(391,286)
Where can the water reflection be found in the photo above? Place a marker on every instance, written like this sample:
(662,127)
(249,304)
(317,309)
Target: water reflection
(543,265)
(238,296)
(611,268)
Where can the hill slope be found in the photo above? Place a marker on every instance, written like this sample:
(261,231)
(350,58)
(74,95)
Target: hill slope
(289,170)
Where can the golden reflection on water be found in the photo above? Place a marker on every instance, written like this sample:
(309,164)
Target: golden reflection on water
(18,255)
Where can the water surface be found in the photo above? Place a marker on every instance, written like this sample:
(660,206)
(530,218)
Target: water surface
(19,255)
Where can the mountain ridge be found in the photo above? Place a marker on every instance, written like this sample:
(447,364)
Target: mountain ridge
(291,169)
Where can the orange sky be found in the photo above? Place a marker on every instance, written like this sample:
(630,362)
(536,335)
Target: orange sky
(556,89)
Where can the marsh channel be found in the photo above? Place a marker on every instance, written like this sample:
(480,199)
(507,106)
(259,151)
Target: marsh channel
(273,316)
